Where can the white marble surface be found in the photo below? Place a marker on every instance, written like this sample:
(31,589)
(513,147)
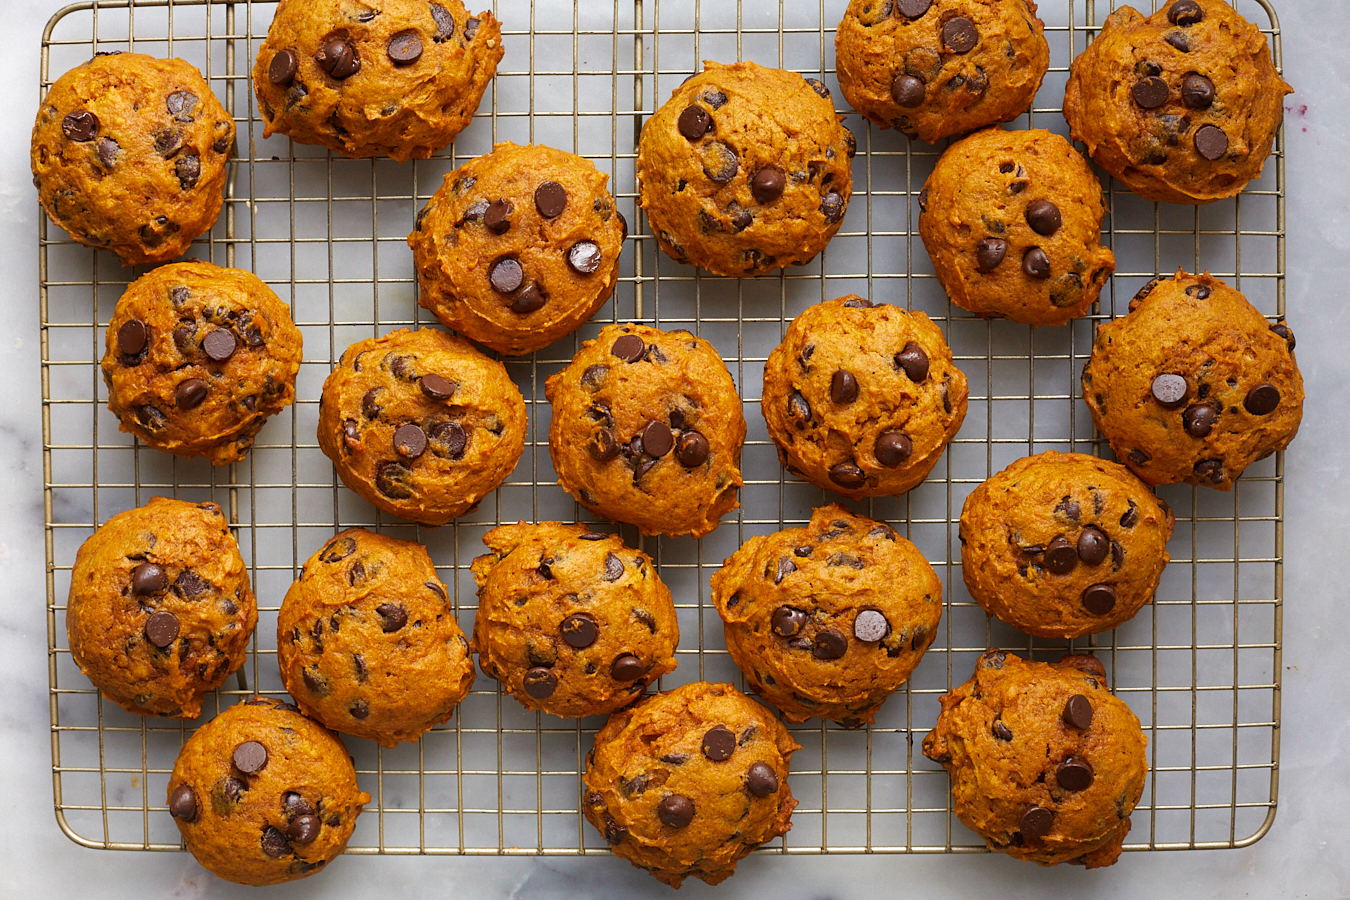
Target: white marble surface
(1303,856)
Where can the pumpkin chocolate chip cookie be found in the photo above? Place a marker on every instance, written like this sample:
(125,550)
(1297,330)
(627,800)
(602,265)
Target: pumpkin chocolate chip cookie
(421,424)
(1193,384)
(1012,223)
(396,78)
(198,357)
(862,399)
(262,795)
(571,621)
(1181,106)
(689,782)
(129,154)
(160,608)
(367,640)
(1064,544)
(647,429)
(828,620)
(936,68)
(1045,764)
(519,247)
(745,170)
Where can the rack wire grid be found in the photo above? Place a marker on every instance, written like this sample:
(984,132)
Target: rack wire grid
(1200,666)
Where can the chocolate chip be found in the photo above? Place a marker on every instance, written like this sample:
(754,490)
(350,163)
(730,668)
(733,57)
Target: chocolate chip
(719,162)
(1002,732)
(613,568)
(107,151)
(675,811)
(870,626)
(767,185)
(1197,91)
(470,28)
(410,440)
(445,23)
(167,141)
(1093,545)
(497,216)
(359,709)
(1150,93)
(695,122)
(249,757)
(629,348)
(989,253)
(1036,264)
(1180,41)
(274,843)
(528,300)
(1077,712)
(506,275)
(893,448)
(132,337)
(787,622)
(1262,400)
(540,683)
(829,644)
(189,394)
(405,48)
(832,207)
(282,69)
(162,629)
(303,829)
(338,58)
(627,668)
(148,578)
(846,474)
(579,630)
(189,584)
(1198,291)
(80,126)
(1060,556)
(1211,142)
(719,742)
(923,199)
(656,439)
(1170,390)
(1036,822)
(959,35)
(1209,470)
(761,780)
(1073,775)
(1283,331)
(188,168)
(437,387)
(219,344)
(550,198)
(1185,13)
(1099,599)
(1043,216)
(602,446)
(714,98)
(692,449)
(798,407)
(908,91)
(914,361)
(1199,419)
(183,803)
(584,257)
(393,616)
(843,388)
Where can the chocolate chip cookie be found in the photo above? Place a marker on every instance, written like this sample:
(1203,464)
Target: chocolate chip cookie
(198,357)
(421,424)
(160,609)
(862,399)
(1182,106)
(935,68)
(1194,384)
(745,169)
(1046,765)
(396,78)
(367,640)
(129,154)
(1012,223)
(571,621)
(263,795)
(689,782)
(1064,544)
(647,429)
(828,620)
(519,247)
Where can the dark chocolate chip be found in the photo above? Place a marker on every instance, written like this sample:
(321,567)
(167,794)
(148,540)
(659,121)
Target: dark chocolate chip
(870,626)
(1077,712)
(274,843)
(540,683)
(1044,217)
(528,300)
(249,757)
(908,91)
(181,105)
(1185,13)
(676,811)
(694,122)
(1283,331)
(188,168)
(189,394)
(719,162)
(107,151)
(613,568)
(959,35)
(657,439)
(1093,545)
(829,644)
(714,98)
(843,388)
(989,254)
(303,829)
(1036,822)
(162,629)
(1197,91)
(1179,41)
(692,449)
(1211,142)
(405,48)
(189,584)
(912,9)
(410,440)
(627,668)
(1199,419)
(629,348)
(1170,390)
(148,578)
(1001,731)
(132,337)
(1060,556)
(602,446)
(506,275)
(761,780)
(914,361)
(359,709)
(1099,599)
(719,742)
(787,622)
(183,803)
(437,387)
(832,207)
(579,630)
(767,185)
(550,198)
(1262,400)
(1036,264)
(584,257)
(847,474)
(282,69)
(445,23)
(393,616)
(497,216)
(1074,775)
(219,344)
(1150,93)
(80,126)
(338,58)
(1209,470)
(893,448)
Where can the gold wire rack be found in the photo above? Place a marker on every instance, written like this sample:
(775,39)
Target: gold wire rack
(1201,666)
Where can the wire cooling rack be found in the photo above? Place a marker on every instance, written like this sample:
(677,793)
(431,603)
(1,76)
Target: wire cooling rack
(1201,666)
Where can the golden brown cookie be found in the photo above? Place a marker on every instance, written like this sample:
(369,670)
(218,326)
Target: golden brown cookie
(367,640)
(263,795)
(828,620)
(129,155)
(647,429)
(396,78)
(570,621)
(689,782)
(1012,223)
(160,609)
(519,247)
(421,424)
(1064,544)
(1194,384)
(745,169)
(1046,765)
(198,357)
(935,68)
(862,399)
(1182,106)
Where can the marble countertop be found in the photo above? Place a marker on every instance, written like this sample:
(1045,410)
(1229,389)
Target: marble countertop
(1300,857)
